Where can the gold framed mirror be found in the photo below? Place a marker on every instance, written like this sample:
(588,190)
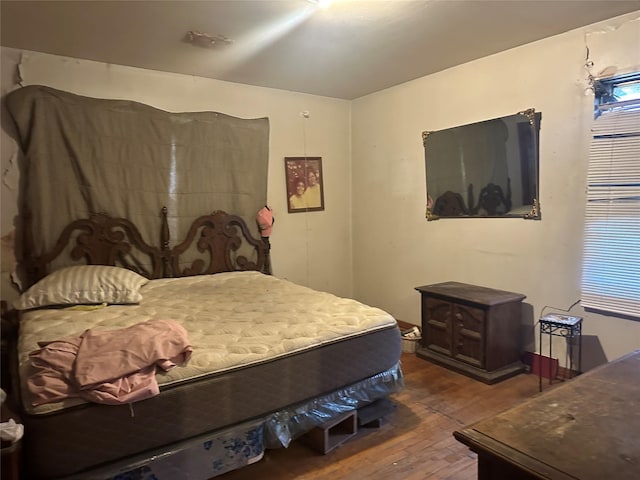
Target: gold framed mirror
(484,169)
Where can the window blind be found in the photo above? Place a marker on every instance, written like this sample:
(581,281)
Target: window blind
(611,262)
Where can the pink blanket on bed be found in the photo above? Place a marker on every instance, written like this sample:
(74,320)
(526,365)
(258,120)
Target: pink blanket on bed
(111,367)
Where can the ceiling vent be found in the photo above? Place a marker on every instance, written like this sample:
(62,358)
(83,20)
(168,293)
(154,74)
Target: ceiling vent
(204,40)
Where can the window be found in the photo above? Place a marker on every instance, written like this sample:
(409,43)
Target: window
(618,89)
(611,264)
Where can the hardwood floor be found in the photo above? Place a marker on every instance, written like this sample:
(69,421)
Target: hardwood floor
(415,442)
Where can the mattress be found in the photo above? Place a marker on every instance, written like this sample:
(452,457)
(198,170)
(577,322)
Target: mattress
(259,344)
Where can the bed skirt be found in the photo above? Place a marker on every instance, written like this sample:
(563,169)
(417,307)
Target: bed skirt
(290,423)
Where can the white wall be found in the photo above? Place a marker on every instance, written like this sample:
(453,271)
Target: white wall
(312,248)
(396,249)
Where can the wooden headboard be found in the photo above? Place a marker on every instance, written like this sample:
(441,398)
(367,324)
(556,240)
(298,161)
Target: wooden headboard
(217,242)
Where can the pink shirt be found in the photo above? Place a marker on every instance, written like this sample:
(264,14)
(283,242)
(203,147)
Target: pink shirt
(111,367)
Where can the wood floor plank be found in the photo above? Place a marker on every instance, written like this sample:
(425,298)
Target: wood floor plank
(415,442)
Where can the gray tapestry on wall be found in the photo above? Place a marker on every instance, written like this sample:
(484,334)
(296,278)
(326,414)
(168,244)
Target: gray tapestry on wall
(88,155)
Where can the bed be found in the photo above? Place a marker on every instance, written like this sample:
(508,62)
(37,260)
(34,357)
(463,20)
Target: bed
(270,359)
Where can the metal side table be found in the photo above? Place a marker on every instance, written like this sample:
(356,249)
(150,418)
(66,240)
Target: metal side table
(566,326)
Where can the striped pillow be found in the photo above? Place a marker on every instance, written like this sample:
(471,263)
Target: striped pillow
(82,285)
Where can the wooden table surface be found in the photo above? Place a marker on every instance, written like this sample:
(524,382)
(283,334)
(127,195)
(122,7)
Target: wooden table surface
(587,429)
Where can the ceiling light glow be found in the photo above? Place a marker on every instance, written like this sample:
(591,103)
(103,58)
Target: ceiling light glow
(321,3)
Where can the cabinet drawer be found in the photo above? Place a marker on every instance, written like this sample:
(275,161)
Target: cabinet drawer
(454,330)
(468,328)
(436,331)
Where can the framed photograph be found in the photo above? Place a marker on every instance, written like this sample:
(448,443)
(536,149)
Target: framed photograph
(305,190)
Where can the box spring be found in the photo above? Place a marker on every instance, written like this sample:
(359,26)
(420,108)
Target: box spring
(83,436)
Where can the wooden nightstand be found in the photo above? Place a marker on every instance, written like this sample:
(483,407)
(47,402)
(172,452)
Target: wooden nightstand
(8,331)
(473,330)
(10,453)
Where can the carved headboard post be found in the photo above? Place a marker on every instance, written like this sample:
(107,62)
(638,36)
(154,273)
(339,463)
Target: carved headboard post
(32,269)
(267,257)
(165,236)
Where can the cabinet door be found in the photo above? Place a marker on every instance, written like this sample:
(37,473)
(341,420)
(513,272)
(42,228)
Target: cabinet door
(436,325)
(468,327)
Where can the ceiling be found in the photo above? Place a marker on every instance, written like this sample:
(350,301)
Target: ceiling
(350,49)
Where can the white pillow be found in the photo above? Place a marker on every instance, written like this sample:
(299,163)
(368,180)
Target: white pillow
(82,285)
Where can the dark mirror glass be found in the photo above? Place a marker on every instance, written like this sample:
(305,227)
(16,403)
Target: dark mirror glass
(484,169)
